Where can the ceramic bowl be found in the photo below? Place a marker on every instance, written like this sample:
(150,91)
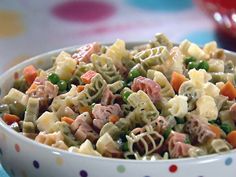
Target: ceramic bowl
(22,157)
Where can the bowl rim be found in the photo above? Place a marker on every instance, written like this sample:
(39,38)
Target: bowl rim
(22,138)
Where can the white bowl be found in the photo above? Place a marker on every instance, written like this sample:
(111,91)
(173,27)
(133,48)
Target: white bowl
(23,157)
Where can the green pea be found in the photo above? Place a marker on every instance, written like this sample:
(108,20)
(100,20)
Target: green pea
(192,65)
(187,60)
(62,85)
(203,65)
(226,128)
(217,121)
(125,147)
(125,95)
(167,132)
(53,78)
(133,74)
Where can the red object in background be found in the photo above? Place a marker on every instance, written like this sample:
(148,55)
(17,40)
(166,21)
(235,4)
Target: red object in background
(223,13)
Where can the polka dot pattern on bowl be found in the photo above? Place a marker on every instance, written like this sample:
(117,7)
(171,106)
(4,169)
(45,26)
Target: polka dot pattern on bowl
(17,148)
(228,161)
(36,164)
(121,169)
(173,168)
(83,173)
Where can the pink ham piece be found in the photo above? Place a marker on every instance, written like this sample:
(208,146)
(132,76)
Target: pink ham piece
(45,91)
(102,113)
(151,88)
(83,130)
(108,97)
(160,124)
(177,146)
(84,53)
(199,129)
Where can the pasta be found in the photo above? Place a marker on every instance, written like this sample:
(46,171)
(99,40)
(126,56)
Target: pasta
(91,93)
(166,89)
(31,115)
(178,106)
(106,68)
(206,107)
(151,102)
(152,57)
(65,66)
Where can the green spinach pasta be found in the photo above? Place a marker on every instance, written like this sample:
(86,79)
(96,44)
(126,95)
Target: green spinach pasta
(152,102)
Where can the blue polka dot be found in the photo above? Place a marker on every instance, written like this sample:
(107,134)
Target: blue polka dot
(201,37)
(83,173)
(36,164)
(161,5)
(228,161)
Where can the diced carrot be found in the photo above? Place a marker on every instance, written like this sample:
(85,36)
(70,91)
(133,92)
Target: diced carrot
(80,88)
(32,87)
(68,120)
(176,80)
(228,90)
(113,118)
(30,73)
(231,138)
(87,77)
(10,119)
(216,130)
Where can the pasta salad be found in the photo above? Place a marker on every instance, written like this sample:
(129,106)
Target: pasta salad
(154,101)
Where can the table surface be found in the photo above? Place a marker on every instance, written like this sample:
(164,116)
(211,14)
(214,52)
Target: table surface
(29,28)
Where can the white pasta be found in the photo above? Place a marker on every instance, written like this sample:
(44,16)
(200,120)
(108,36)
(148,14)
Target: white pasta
(158,77)
(178,106)
(216,65)
(104,142)
(184,46)
(73,149)
(65,65)
(210,47)
(219,145)
(55,139)
(64,99)
(195,51)
(211,90)
(15,96)
(117,51)
(199,77)
(220,84)
(196,151)
(87,148)
(207,108)
(46,121)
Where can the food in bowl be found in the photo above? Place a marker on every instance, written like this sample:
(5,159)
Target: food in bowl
(155,101)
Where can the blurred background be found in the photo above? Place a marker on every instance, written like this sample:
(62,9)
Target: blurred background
(30,27)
